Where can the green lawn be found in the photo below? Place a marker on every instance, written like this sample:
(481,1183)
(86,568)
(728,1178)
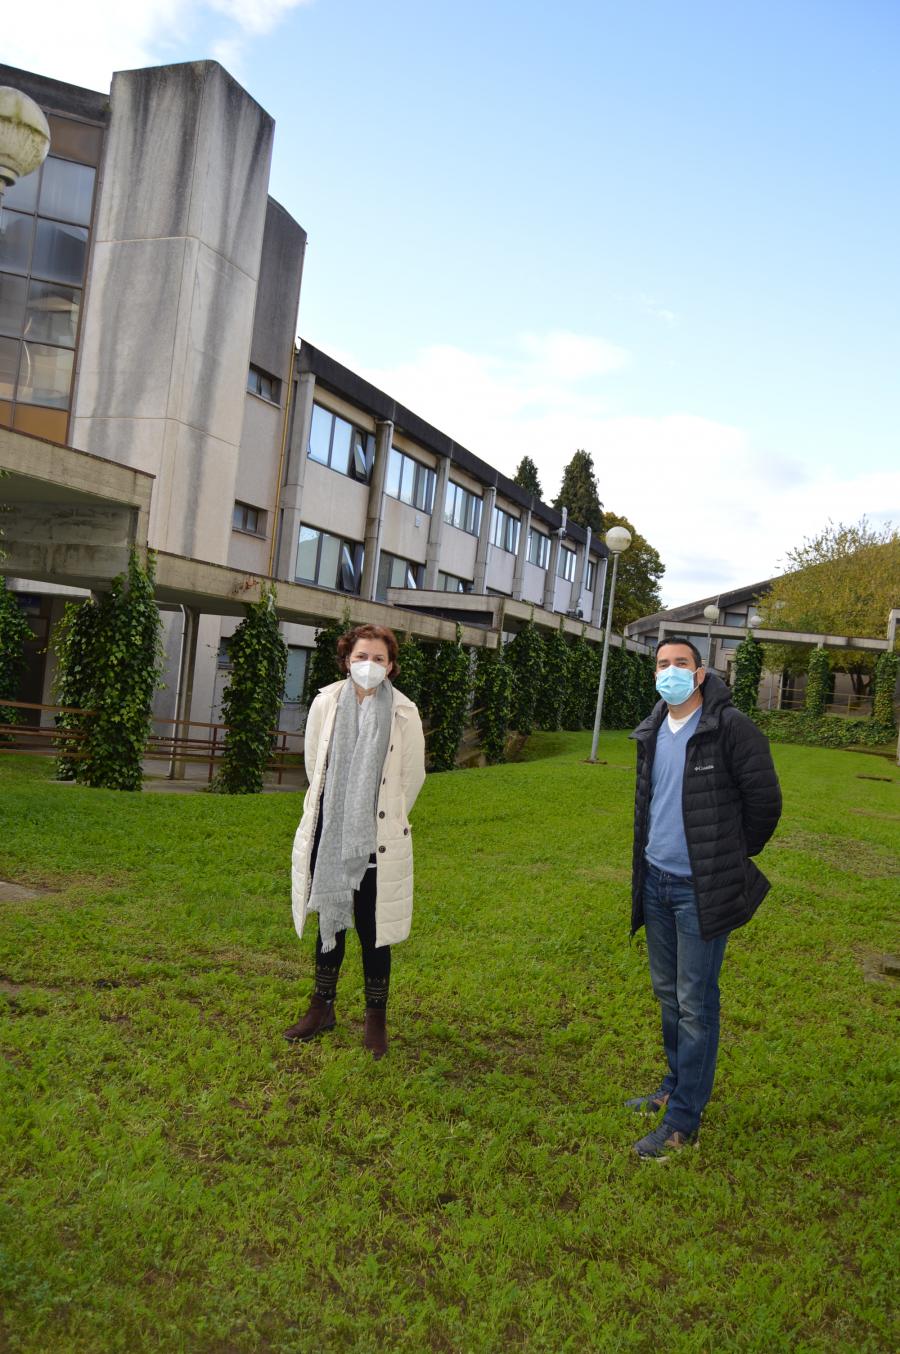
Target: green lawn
(175,1177)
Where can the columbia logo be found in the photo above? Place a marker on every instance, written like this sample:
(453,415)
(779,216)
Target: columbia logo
(707,766)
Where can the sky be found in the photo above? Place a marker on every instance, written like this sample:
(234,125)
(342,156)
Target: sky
(664,233)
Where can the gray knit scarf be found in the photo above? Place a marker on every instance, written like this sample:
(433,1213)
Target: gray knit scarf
(359,746)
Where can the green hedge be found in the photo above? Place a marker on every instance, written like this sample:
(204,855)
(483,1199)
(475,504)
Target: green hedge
(823,731)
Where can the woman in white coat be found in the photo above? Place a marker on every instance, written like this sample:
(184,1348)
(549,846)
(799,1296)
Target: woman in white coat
(352,859)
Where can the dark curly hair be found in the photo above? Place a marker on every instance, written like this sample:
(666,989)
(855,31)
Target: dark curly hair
(347,643)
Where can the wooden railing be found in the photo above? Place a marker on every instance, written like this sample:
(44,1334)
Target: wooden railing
(180,747)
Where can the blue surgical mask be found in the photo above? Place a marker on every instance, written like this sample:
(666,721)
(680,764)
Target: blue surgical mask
(675,685)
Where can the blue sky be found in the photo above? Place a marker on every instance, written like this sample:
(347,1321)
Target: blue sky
(663,232)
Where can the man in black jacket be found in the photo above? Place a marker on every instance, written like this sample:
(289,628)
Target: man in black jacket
(707,799)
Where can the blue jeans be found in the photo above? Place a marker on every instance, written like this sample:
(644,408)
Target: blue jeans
(684,970)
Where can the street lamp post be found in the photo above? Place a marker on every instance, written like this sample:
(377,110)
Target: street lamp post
(617,541)
(24,137)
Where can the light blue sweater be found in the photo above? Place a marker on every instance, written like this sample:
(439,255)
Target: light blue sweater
(666,843)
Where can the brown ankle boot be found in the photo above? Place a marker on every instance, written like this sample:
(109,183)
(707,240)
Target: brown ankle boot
(318,1019)
(375,1034)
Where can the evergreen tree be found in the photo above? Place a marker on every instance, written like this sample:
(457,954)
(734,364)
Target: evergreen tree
(579,493)
(637,577)
(527,477)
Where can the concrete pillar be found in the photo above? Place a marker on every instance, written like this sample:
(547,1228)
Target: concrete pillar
(550,580)
(521,556)
(581,559)
(295,474)
(479,585)
(599,590)
(436,529)
(182,728)
(384,436)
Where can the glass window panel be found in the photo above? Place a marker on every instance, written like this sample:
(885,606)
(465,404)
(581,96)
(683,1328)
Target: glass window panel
(295,675)
(591,575)
(23,195)
(9,361)
(449,500)
(328,564)
(45,375)
(347,579)
(12,303)
(360,463)
(50,423)
(307,552)
(66,191)
(394,471)
(59,252)
(515,531)
(385,564)
(407,480)
(16,232)
(53,313)
(411,577)
(75,140)
(340,446)
(459,509)
(320,434)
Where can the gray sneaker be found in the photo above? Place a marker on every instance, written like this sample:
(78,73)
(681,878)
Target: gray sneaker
(648,1105)
(663,1142)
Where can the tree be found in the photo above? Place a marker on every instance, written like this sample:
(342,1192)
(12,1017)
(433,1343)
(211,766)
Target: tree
(527,477)
(748,662)
(551,692)
(637,578)
(252,699)
(525,655)
(843,581)
(323,667)
(579,493)
(14,634)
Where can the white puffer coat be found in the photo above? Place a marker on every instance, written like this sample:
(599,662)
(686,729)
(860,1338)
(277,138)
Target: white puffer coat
(401,781)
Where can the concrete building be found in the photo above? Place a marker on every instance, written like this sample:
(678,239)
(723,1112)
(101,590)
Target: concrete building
(149,292)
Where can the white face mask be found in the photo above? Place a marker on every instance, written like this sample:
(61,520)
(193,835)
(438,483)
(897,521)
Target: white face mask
(368,675)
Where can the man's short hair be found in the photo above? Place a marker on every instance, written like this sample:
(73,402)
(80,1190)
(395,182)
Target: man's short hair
(680,639)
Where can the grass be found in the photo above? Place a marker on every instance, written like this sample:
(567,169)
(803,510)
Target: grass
(175,1177)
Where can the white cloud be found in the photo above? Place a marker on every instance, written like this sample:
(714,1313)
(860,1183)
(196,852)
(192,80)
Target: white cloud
(721,512)
(659,312)
(84,43)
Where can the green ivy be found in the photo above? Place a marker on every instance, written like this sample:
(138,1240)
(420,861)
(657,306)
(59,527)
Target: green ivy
(449,703)
(412,661)
(630,693)
(252,700)
(580,699)
(14,633)
(492,693)
(109,663)
(748,662)
(525,657)
(554,681)
(818,683)
(885,684)
(822,731)
(323,668)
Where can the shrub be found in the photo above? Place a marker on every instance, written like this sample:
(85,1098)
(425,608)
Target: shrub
(748,662)
(252,699)
(492,689)
(553,681)
(322,668)
(448,702)
(885,682)
(822,731)
(14,633)
(818,683)
(411,678)
(525,656)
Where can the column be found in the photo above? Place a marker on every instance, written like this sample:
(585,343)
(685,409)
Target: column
(518,586)
(182,729)
(581,558)
(384,436)
(550,580)
(484,540)
(295,474)
(599,590)
(436,526)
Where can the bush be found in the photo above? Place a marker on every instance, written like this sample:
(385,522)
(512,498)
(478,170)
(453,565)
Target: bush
(748,662)
(492,690)
(822,731)
(885,682)
(818,683)
(580,699)
(14,633)
(322,668)
(252,699)
(109,663)
(553,681)
(525,656)
(448,702)
(411,678)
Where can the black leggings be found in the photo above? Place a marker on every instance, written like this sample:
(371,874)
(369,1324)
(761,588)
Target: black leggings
(376,962)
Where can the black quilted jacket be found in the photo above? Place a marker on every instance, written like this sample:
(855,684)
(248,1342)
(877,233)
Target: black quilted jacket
(731,802)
